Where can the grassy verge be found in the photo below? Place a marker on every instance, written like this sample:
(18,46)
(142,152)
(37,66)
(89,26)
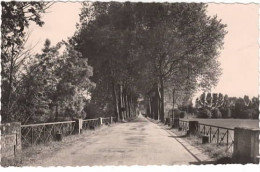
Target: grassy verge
(218,153)
(213,150)
(33,153)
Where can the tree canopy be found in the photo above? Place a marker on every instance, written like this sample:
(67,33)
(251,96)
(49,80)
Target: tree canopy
(139,45)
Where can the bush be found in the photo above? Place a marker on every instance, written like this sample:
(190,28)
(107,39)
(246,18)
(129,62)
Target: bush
(177,113)
(183,114)
(226,112)
(250,114)
(216,113)
(204,113)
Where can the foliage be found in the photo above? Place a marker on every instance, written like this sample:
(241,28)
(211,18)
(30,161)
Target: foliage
(139,45)
(216,113)
(16,17)
(183,114)
(204,113)
(53,86)
(227,107)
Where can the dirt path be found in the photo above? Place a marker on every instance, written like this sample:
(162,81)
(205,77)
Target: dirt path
(139,142)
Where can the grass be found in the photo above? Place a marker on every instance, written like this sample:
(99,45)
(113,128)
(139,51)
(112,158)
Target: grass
(33,153)
(212,150)
(218,153)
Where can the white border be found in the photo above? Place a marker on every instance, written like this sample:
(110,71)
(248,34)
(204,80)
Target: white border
(176,168)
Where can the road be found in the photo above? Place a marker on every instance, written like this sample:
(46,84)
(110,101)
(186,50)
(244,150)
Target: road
(139,142)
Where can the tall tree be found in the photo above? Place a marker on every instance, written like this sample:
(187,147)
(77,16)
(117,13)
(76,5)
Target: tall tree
(163,40)
(16,17)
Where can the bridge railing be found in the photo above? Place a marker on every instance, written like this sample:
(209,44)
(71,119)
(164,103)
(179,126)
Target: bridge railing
(34,134)
(106,120)
(215,134)
(90,123)
(184,125)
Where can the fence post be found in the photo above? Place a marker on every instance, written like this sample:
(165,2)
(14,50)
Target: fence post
(11,145)
(78,126)
(193,126)
(176,123)
(246,145)
(100,120)
(111,120)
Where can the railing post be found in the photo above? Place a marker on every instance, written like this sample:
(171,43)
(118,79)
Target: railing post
(218,136)
(11,145)
(193,126)
(210,134)
(100,120)
(227,136)
(176,123)
(246,145)
(78,126)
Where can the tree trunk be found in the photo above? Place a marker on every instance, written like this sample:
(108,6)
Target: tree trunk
(115,101)
(129,105)
(173,102)
(9,92)
(120,103)
(162,99)
(125,102)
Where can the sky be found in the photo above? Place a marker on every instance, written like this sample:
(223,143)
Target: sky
(239,58)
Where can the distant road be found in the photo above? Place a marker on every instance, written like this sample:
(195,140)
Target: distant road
(139,142)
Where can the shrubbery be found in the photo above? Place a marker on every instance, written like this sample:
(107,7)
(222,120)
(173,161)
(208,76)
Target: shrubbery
(204,113)
(216,113)
(219,106)
(183,114)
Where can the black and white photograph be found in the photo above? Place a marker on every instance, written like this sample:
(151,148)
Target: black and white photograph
(124,83)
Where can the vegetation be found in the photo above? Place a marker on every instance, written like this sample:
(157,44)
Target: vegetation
(137,53)
(120,53)
(219,106)
(44,87)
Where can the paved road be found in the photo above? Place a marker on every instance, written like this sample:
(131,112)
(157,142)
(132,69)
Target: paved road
(139,142)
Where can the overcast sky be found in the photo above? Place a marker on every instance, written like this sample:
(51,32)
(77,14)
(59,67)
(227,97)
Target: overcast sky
(239,58)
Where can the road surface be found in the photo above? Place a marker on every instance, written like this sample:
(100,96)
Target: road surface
(139,142)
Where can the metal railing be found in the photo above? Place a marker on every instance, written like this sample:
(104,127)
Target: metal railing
(218,135)
(34,134)
(184,125)
(91,123)
(106,120)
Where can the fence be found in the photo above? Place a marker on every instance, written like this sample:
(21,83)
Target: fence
(90,123)
(34,134)
(215,134)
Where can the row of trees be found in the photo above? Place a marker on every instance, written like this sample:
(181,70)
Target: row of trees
(132,50)
(145,48)
(213,105)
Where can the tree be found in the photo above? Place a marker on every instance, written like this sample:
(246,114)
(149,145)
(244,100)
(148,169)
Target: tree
(55,86)
(108,40)
(15,18)
(177,42)
(164,41)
